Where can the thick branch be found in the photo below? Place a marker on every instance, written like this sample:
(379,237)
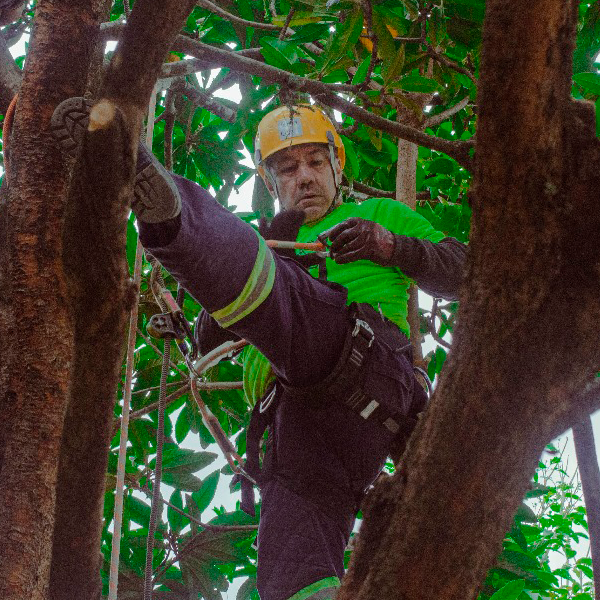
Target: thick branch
(459,150)
(434,120)
(217,10)
(203,100)
(95,233)
(589,473)
(37,358)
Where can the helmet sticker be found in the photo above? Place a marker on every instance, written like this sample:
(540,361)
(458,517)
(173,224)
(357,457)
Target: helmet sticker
(289,128)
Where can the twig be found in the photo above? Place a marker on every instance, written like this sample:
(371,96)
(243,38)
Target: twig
(156,387)
(368,12)
(348,130)
(217,10)
(370,192)
(450,63)
(288,20)
(190,544)
(227,528)
(434,120)
(205,101)
(138,414)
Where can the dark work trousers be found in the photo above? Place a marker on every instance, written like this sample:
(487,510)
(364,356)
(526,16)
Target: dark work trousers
(325,454)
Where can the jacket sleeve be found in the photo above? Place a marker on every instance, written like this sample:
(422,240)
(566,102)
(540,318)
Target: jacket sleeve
(437,268)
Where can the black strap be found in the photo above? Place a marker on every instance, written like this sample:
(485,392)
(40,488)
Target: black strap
(262,416)
(344,384)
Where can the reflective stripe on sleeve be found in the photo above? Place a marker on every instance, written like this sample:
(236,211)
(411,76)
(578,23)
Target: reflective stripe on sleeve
(324,589)
(256,290)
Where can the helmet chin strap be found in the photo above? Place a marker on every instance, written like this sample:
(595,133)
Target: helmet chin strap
(337,175)
(272,181)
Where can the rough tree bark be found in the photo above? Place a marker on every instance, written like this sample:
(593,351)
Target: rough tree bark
(36,330)
(97,275)
(526,340)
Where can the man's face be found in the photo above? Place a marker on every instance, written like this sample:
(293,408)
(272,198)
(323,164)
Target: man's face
(304,179)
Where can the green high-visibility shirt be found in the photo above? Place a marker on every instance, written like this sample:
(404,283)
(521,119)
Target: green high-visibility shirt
(384,288)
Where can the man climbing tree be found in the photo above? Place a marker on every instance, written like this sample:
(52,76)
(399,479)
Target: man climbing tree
(344,393)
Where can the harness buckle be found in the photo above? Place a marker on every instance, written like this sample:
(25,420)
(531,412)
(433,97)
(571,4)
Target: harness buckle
(363,329)
(161,325)
(266,402)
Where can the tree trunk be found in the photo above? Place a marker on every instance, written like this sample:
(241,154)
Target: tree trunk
(526,339)
(36,329)
(98,278)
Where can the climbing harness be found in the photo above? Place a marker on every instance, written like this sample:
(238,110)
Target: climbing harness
(344,385)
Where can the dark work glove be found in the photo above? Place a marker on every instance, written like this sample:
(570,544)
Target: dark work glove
(359,239)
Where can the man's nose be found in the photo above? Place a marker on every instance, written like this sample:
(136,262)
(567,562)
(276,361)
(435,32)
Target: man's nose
(305,173)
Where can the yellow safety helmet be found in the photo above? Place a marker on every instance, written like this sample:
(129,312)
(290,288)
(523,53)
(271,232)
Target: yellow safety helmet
(304,124)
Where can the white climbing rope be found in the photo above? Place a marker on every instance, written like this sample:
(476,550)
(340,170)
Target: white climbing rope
(120,483)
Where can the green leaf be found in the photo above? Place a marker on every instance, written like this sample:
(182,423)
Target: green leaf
(137,510)
(352,166)
(185,461)
(310,32)
(393,68)
(590,82)
(337,76)
(203,497)
(520,559)
(182,481)
(510,591)
(361,72)
(418,83)
(441,165)
(182,425)
(386,47)
(176,520)
(246,589)
(274,57)
(344,38)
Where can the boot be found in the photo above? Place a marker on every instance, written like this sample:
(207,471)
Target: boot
(156,197)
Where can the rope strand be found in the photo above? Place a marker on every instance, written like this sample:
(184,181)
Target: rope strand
(156,497)
(120,485)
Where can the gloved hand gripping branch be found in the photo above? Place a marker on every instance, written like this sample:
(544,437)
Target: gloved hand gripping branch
(436,267)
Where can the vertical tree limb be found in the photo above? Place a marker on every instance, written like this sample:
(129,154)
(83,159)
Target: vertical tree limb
(526,338)
(35,321)
(587,461)
(94,258)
